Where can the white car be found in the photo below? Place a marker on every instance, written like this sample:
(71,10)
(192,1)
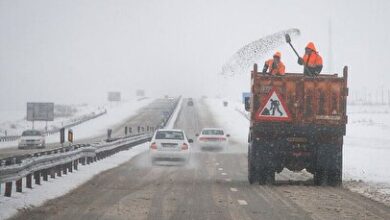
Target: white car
(31,139)
(170,144)
(212,138)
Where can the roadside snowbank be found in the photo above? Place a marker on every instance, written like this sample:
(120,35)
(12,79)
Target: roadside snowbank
(176,112)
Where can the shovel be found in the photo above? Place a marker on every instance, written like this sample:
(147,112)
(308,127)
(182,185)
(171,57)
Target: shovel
(288,40)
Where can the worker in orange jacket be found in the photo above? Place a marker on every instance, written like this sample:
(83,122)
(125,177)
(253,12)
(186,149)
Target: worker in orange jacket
(312,61)
(274,66)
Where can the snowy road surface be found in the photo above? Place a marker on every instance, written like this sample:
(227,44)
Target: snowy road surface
(213,185)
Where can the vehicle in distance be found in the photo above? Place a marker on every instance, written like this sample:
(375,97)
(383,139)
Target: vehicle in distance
(297,122)
(31,139)
(171,145)
(212,138)
(190,102)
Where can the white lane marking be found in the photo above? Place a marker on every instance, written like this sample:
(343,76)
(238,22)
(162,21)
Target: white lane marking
(233,189)
(220,168)
(228,180)
(224,174)
(242,202)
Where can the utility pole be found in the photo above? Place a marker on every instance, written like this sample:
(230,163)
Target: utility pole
(330,55)
(383,96)
(388,97)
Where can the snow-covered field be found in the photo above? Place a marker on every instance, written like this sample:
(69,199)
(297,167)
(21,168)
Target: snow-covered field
(14,122)
(366,150)
(116,113)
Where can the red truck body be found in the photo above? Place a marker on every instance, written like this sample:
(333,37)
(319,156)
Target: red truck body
(297,122)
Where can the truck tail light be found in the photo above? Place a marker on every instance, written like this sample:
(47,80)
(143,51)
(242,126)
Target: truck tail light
(153,146)
(184,146)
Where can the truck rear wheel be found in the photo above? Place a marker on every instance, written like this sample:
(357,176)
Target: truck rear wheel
(319,177)
(328,168)
(252,164)
(336,166)
(267,170)
(267,176)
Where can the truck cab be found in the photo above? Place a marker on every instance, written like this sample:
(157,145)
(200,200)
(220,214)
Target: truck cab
(297,122)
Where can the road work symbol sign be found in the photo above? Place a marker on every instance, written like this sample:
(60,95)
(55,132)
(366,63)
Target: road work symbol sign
(273,109)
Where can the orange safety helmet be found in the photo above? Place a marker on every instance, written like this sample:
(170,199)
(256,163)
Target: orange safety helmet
(278,54)
(311,46)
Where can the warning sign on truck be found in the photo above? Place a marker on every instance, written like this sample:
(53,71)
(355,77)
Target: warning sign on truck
(273,109)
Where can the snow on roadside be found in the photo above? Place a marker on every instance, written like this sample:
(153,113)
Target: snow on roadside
(232,121)
(61,185)
(366,150)
(116,114)
(171,123)
(14,122)
(379,192)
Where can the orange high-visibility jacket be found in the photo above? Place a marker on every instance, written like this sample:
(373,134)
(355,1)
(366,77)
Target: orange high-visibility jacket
(313,62)
(280,68)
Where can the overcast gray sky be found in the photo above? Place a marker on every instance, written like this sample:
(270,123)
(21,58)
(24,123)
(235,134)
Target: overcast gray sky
(76,51)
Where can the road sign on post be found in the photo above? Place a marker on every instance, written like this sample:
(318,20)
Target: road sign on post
(114,96)
(109,132)
(62,135)
(40,111)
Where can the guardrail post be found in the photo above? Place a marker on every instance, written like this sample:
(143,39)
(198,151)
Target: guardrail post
(18,184)
(75,163)
(64,168)
(8,189)
(45,174)
(58,168)
(37,177)
(52,173)
(29,181)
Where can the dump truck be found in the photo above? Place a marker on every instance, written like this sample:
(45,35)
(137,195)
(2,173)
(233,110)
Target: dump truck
(297,122)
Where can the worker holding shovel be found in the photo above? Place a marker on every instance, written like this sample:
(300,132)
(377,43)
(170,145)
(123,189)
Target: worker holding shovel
(311,61)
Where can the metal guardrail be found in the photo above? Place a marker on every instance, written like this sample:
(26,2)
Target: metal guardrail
(59,161)
(9,138)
